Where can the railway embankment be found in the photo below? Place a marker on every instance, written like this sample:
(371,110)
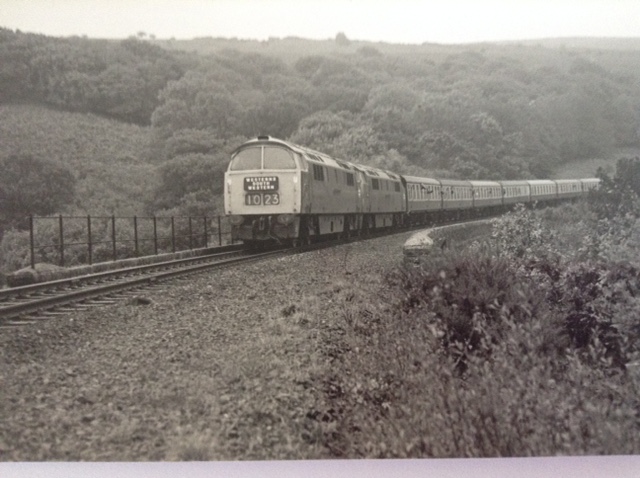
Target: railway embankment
(429,241)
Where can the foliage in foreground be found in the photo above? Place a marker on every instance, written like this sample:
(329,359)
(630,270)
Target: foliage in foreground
(517,347)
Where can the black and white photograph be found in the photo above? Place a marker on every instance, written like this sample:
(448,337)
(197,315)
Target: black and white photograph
(320,238)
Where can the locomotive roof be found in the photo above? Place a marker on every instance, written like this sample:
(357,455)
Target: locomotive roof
(317,156)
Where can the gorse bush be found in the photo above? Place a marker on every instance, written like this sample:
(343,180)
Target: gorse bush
(521,234)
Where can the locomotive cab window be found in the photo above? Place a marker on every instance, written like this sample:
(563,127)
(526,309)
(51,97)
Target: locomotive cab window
(278,158)
(250,158)
(263,157)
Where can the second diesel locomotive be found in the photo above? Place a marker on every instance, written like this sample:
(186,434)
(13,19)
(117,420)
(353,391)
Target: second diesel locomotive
(277,190)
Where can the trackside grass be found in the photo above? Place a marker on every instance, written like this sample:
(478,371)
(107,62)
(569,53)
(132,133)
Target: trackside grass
(520,345)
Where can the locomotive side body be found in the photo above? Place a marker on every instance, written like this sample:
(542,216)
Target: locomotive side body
(331,195)
(384,197)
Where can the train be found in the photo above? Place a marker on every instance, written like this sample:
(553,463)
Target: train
(277,191)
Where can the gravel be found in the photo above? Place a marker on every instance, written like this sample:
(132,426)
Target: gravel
(218,366)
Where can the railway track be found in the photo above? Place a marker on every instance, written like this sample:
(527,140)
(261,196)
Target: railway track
(37,302)
(34,303)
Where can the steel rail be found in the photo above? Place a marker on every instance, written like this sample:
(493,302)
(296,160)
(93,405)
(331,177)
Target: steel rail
(26,290)
(41,304)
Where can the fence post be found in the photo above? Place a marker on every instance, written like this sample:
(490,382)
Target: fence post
(32,243)
(190,234)
(135,234)
(173,236)
(61,235)
(155,235)
(113,236)
(206,239)
(89,245)
(219,231)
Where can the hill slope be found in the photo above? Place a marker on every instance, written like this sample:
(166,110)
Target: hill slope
(108,158)
(589,167)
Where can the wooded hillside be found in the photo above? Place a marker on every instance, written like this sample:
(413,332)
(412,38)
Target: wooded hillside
(475,111)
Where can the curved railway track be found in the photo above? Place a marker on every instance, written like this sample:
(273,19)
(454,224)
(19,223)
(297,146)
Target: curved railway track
(33,303)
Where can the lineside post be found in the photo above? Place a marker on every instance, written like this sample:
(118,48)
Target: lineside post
(206,239)
(89,245)
(32,243)
(155,235)
(61,235)
(135,234)
(173,235)
(219,231)
(113,237)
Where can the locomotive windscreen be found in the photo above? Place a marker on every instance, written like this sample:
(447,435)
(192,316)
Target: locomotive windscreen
(263,157)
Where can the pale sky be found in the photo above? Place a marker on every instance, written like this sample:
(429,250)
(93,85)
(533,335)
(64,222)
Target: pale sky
(392,21)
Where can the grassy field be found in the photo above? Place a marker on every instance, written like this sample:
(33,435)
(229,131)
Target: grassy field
(108,157)
(587,168)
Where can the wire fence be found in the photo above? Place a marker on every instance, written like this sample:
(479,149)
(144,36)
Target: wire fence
(78,240)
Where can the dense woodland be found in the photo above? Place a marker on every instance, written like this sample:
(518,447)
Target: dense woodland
(146,126)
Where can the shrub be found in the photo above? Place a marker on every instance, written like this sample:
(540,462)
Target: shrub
(514,347)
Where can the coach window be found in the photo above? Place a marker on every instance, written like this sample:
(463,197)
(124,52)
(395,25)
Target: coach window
(249,158)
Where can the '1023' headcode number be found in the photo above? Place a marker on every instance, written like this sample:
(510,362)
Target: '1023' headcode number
(262,199)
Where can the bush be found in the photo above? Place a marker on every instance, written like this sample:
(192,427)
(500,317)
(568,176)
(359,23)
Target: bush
(517,347)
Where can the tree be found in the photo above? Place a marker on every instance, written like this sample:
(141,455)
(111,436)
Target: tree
(30,185)
(342,40)
(189,176)
(620,195)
